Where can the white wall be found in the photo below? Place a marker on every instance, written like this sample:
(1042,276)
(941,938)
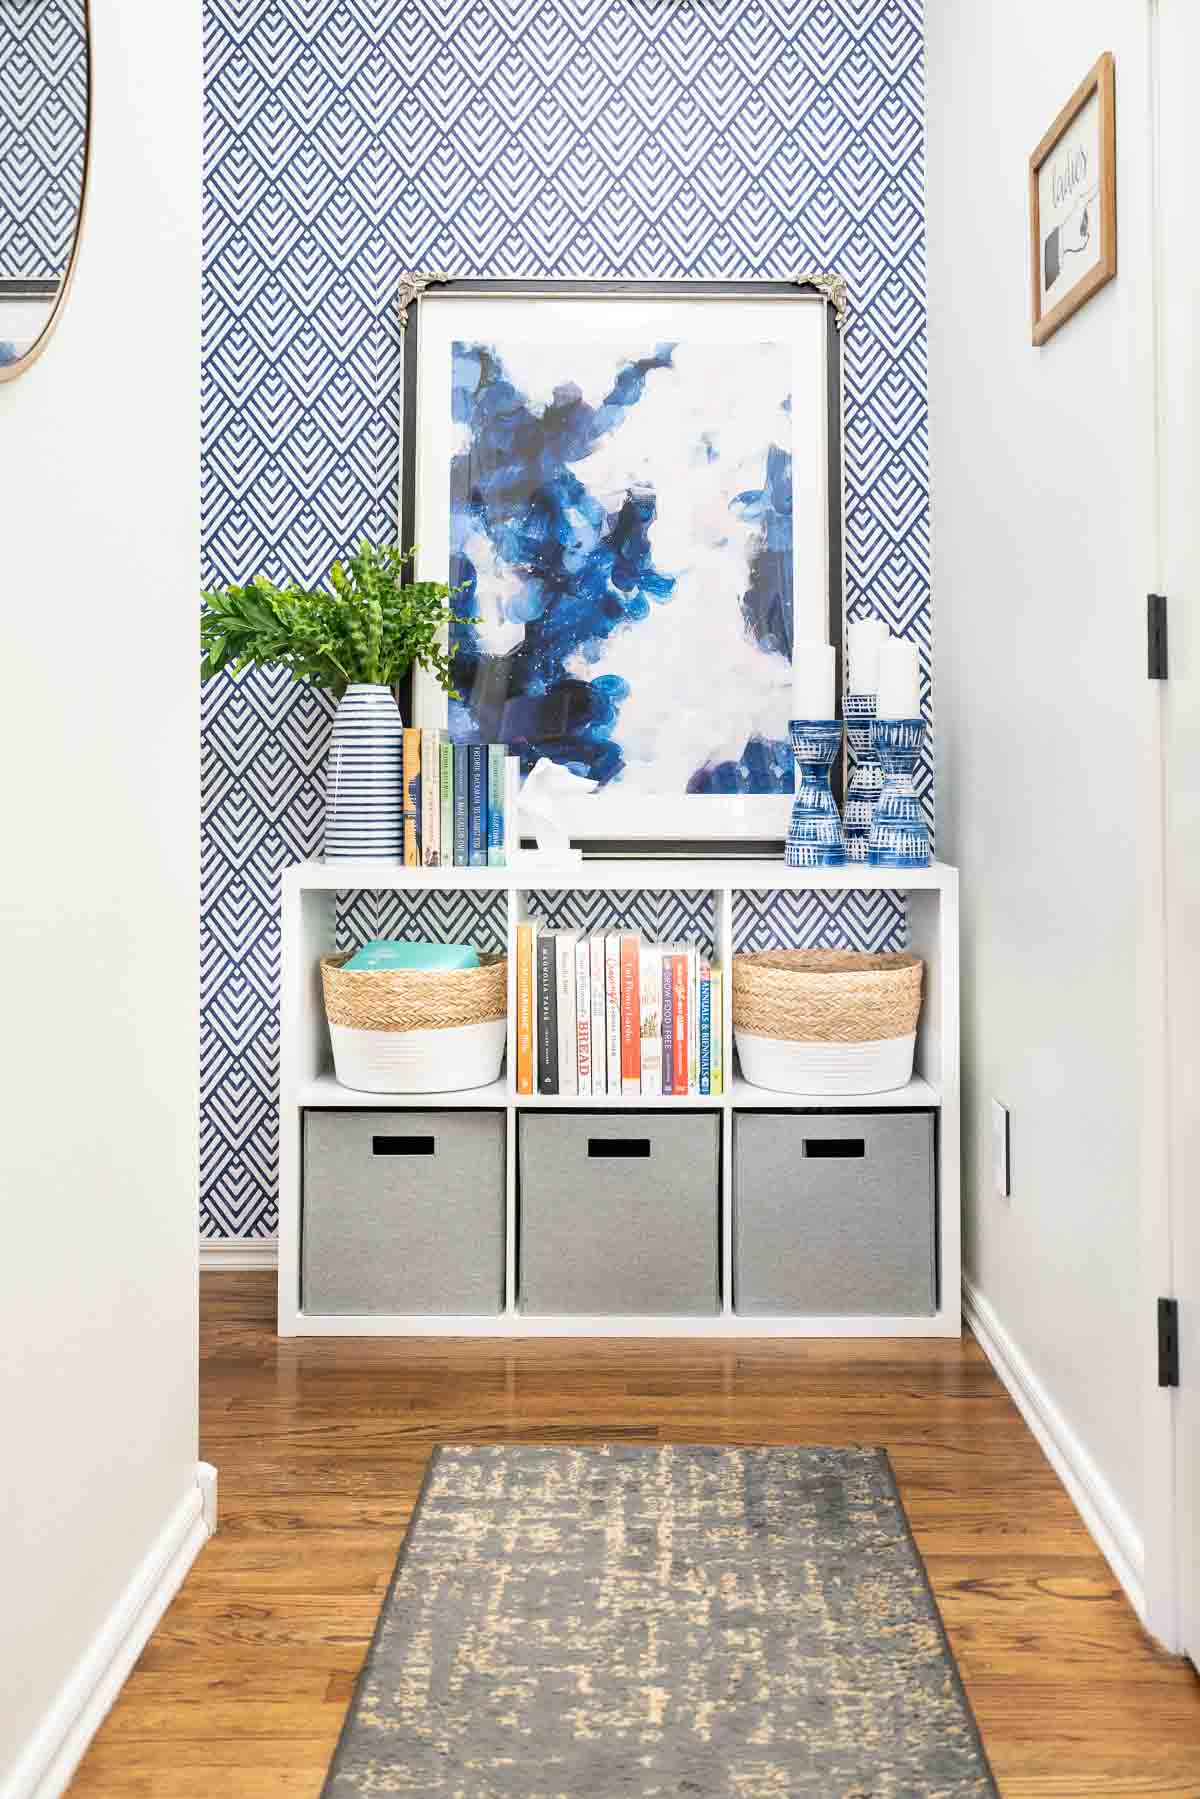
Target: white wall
(1040,575)
(99,487)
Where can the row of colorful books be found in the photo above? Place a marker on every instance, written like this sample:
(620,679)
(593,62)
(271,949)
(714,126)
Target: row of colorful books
(459,799)
(609,1014)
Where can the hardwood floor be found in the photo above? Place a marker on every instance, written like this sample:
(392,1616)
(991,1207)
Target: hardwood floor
(321,1446)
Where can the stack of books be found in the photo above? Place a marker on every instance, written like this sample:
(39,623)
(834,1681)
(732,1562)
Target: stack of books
(459,802)
(609,1015)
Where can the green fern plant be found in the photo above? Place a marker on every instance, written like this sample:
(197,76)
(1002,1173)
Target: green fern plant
(371,626)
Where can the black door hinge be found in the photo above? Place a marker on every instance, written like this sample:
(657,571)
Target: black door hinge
(1168,1342)
(1156,636)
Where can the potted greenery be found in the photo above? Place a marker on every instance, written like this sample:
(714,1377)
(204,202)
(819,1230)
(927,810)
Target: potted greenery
(356,641)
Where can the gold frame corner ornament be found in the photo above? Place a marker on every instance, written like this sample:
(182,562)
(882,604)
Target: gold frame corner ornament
(412,283)
(833,288)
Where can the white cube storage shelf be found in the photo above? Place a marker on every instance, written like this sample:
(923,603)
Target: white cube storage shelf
(309,925)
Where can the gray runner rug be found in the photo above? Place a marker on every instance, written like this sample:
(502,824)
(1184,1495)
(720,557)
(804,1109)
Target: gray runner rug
(604,1622)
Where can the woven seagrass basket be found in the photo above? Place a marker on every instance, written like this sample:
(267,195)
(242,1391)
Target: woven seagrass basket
(416,1030)
(826,1020)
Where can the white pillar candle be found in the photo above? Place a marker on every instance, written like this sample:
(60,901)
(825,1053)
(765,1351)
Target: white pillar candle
(899,692)
(867,637)
(812,680)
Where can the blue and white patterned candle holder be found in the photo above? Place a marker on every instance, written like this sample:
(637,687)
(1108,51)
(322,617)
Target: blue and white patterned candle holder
(899,835)
(866,778)
(814,838)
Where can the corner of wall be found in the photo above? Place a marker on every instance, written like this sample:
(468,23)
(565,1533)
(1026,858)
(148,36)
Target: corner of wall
(45,1768)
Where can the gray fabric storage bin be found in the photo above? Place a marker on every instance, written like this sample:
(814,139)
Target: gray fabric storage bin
(619,1212)
(822,1230)
(403,1212)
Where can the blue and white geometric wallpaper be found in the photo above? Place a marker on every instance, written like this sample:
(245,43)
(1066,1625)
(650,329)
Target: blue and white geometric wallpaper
(656,138)
(43,105)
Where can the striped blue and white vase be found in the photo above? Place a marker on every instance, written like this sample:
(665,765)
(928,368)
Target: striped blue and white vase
(899,835)
(814,838)
(364,796)
(866,775)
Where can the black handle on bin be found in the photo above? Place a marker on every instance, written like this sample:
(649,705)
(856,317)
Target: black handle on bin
(618,1146)
(834,1146)
(402,1146)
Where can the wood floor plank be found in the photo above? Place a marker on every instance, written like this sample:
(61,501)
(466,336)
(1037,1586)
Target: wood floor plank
(322,1446)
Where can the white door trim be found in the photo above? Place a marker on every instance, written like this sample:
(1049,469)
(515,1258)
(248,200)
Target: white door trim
(1177,1473)
(1156,1248)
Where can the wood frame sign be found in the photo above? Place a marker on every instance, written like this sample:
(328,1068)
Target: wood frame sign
(1073,203)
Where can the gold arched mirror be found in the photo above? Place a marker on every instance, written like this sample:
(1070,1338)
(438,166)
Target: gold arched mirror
(45,102)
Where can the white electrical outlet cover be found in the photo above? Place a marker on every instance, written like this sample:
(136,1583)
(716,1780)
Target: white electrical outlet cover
(1000,1148)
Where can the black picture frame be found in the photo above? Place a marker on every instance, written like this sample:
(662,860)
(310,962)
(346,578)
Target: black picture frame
(829,290)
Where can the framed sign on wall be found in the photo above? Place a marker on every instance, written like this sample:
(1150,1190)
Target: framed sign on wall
(1073,202)
(636,489)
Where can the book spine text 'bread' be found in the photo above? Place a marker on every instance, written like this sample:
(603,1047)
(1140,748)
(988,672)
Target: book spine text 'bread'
(599,1021)
(583,1016)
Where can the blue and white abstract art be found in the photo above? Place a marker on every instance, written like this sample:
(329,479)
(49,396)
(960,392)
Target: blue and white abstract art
(622,529)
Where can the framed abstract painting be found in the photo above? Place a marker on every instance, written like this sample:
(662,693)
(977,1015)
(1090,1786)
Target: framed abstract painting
(636,489)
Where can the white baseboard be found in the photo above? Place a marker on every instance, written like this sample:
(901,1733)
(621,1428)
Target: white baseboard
(238,1252)
(1110,1525)
(206,1479)
(50,1758)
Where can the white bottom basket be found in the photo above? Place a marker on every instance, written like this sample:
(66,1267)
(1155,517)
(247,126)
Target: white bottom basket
(445,1061)
(786,1067)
